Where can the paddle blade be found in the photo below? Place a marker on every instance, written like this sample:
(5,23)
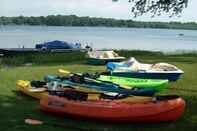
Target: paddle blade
(126,87)
(33,122)
(63,71)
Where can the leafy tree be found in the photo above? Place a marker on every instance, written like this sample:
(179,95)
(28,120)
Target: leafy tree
(156,7)
(18,20)
(6,20)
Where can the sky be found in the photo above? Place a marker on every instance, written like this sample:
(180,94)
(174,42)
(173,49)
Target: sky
(93,8)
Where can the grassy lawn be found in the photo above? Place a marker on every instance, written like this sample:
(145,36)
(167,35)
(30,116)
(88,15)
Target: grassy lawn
(15,107)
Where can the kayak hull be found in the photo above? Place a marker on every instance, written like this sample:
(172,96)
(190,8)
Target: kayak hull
(147,75)
(168,110)
(113,68)
(136,82)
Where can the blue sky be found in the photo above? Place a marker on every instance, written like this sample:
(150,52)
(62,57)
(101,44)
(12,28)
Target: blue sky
(95,8)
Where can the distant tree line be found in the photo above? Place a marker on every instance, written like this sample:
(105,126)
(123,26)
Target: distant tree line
(73,20)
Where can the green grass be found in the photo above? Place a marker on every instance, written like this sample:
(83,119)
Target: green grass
(15,107)
(63,58)
(43,58)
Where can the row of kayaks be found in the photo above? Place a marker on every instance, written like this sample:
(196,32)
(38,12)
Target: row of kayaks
(104,97)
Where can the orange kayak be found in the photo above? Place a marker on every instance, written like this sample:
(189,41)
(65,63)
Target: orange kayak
(164,110)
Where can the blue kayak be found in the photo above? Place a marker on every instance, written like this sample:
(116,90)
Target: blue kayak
(102,86)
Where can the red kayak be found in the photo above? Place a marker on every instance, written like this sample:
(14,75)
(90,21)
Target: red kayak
(159,111)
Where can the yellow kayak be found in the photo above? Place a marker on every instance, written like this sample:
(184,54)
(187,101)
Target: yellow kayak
(93,95)
(25,87)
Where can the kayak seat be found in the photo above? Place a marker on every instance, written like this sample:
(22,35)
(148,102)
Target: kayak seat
(38,84)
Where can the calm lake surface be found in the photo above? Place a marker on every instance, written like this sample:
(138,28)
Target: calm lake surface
(100,37)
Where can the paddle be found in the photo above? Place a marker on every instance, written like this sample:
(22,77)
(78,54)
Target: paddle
(83,90)
(91,92)
(106,93)
(156,98)
(78,74)
(62,71)
(96,93)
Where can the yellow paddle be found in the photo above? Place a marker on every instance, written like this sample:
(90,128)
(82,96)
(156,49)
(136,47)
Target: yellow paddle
(64,71)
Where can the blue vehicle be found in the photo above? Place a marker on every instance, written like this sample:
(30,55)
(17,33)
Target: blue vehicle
(58,45)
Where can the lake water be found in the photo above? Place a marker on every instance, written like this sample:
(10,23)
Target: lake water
(100,37)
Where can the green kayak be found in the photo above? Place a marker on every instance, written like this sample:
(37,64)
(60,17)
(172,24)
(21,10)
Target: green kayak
(158,85)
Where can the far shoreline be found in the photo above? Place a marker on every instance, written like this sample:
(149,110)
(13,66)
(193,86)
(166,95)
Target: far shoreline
(107,27)
(74,20)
